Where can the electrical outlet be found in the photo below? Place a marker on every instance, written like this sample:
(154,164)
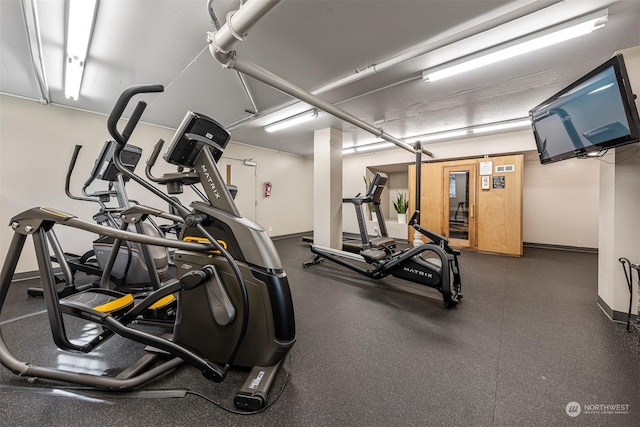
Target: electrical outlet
(270,229)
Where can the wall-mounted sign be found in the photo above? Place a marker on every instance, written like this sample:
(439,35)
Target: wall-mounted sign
(486,168)
(498,181)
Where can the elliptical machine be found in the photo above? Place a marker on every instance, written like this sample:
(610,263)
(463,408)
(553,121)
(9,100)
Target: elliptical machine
(138,267)
(439,270)
(235,306)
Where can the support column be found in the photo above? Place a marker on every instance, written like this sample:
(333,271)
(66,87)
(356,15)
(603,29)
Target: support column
(619,231)
(619,215)
(327,188)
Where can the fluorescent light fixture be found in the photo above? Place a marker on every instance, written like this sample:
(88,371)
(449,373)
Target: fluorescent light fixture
(376,146)
(549,37)
(73,78)
(502,126)
(490,127)
(442,135)
(291,121)
(79,27)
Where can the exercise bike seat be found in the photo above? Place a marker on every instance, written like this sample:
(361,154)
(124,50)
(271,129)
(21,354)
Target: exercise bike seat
(373,255)
(382,241)
(93,304)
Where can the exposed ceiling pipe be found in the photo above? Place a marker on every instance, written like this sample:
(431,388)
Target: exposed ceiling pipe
(265,76)
(30,14)
(238,23)
(254,108)
(234,30)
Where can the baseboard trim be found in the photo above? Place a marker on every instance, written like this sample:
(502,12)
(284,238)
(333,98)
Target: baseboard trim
(25,275)
(308,237)
(560,247)
(288,236)
(613,315)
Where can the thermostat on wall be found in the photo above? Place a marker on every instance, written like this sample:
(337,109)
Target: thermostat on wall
(485,182)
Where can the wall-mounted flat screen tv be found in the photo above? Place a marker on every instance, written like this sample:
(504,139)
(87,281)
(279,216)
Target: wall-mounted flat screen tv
(595,113)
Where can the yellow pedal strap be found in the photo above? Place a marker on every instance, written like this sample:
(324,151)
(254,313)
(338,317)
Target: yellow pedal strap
(162,302)
(194,239)
(116,304)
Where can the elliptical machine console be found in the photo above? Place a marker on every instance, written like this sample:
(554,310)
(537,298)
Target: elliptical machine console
(104,169)
(195,131)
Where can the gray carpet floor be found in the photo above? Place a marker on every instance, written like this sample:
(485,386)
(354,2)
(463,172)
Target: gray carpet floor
(527,340)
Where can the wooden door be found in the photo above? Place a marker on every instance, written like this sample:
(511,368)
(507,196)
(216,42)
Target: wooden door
(459,203)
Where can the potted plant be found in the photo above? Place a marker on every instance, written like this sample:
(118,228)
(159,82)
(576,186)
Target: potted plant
(401,204)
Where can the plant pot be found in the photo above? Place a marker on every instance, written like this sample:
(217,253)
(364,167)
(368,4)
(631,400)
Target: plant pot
(402,218)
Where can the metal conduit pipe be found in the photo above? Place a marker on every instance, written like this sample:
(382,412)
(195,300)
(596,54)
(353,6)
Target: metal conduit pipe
(230,60)
(239,22)
(254,108)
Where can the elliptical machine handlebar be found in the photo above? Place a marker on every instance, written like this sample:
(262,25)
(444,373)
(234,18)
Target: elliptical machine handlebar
(152,160)
(67,182)
(121,139)
(121,105)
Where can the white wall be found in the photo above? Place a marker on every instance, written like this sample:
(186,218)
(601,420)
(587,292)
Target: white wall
(36,143)
(561,202)
(289,209)
(398,183)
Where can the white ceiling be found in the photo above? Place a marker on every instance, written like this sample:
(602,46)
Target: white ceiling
(312,43)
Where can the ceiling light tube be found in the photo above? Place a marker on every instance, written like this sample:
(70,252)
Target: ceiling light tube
(376,146)
(443,135)
(73,78)
(502,126)
(549,37)
(291,121)
(429,137)
(79,27)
